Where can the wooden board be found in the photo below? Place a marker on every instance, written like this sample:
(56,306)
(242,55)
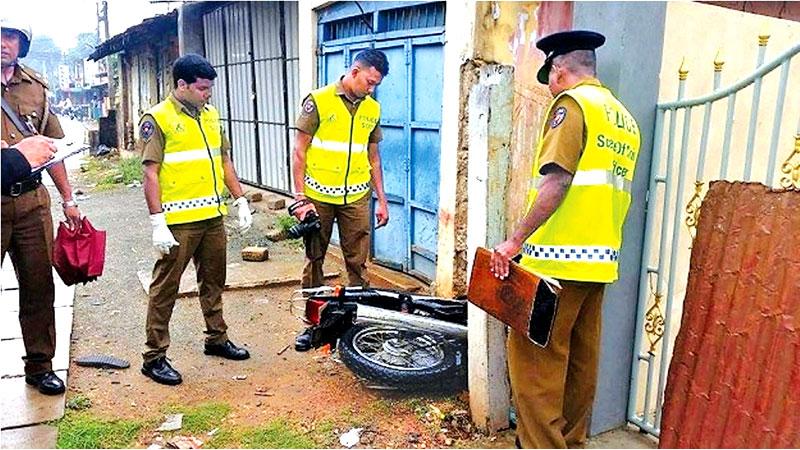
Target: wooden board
(509,300)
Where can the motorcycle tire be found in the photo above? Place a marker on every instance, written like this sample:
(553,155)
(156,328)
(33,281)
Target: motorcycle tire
(405,359)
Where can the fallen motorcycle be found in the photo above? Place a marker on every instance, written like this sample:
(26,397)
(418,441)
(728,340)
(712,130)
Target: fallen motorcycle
(391,339)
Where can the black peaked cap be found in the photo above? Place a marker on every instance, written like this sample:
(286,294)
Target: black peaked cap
(562,43)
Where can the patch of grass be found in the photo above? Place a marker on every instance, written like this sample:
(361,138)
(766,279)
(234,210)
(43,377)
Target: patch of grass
(201,418)
(79,402)
(323,434)
(276,434)
(131,169)
(83,430)
(113,170)
(382,407)
(224,438)
(285,221)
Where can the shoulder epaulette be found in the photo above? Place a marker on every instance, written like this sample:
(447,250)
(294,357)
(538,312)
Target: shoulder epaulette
(38,77)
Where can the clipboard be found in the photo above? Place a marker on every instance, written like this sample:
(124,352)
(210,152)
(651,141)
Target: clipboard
(61,155)
(524,301)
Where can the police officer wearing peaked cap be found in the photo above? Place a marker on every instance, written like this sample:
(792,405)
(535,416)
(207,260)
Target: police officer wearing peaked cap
(27,227)
(558,44)
(577,181)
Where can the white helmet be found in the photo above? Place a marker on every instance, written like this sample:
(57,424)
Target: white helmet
(25,34)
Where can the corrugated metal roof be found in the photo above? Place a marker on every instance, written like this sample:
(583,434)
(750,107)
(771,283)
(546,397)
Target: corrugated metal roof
(734,380)
(146,31)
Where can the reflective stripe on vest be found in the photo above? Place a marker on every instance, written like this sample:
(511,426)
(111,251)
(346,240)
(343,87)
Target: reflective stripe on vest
(191,176)
(582,239)
(595,178)
(337,161)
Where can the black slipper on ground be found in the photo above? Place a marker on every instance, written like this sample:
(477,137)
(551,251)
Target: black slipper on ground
(102,362)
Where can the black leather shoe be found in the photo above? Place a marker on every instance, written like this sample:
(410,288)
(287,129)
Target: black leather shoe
(302,343)
(162,372)
(227,350)
(48,383)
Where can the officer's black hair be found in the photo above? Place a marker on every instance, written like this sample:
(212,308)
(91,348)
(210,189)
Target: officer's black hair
(190,67)
(373,58)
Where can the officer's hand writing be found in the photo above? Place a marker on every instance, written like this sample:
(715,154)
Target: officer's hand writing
(501,255)
(382,214)
(245,216)
(163,240)
(37,150)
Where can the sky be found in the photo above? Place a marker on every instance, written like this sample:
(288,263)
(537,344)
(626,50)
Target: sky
(64,19)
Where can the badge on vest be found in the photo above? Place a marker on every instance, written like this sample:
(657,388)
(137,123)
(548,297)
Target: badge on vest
(558,116)
(146,130)
(179,128)
(308,106)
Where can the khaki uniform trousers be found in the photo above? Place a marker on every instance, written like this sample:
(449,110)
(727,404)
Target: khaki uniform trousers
(553,387)
(354,228)
(205,243)
(27,234)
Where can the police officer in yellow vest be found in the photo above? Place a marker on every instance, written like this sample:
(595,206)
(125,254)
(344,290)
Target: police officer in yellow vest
(336,162)
(187,167)
(578,200)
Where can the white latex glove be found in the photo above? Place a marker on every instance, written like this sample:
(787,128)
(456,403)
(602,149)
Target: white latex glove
(245,217)
(163,239)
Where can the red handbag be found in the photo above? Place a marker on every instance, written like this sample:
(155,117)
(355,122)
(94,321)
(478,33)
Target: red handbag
(79,255)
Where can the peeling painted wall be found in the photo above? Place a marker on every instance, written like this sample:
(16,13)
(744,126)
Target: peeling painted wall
(506,33)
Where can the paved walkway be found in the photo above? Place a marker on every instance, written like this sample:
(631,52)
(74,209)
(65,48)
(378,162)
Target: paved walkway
(25,410)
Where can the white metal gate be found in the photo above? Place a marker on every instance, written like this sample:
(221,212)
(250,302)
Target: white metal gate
(253,46)
(674,205)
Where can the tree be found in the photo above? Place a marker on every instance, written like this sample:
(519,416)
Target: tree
(85,46)
(44,56)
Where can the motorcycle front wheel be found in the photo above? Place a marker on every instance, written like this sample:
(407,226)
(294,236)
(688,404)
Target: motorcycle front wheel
(405,359)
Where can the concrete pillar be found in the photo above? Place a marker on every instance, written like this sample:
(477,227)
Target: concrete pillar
(458,48)
(190,29)
(629,64)
(307,43)
(489,131)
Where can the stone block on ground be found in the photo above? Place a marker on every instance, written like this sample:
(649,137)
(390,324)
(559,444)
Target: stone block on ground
(257,254)
(276,203)
(254,197)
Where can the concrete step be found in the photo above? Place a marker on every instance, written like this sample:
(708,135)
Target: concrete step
(381,277)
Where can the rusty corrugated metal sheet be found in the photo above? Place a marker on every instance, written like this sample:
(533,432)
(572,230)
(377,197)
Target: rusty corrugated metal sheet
(734,380)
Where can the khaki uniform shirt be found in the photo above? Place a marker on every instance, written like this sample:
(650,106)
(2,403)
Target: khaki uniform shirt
(151,138)
(26,92)
(308,120)
(565,133)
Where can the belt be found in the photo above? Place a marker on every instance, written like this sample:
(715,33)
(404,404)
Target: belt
(23,186)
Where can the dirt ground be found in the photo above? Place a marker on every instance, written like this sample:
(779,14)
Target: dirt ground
(276,382)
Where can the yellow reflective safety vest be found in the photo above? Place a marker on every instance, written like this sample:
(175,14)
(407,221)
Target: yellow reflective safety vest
(582,239)
(337,162)
(191,176)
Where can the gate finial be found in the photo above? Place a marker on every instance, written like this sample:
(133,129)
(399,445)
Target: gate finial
(718,61)
(683,72)
(763,39)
